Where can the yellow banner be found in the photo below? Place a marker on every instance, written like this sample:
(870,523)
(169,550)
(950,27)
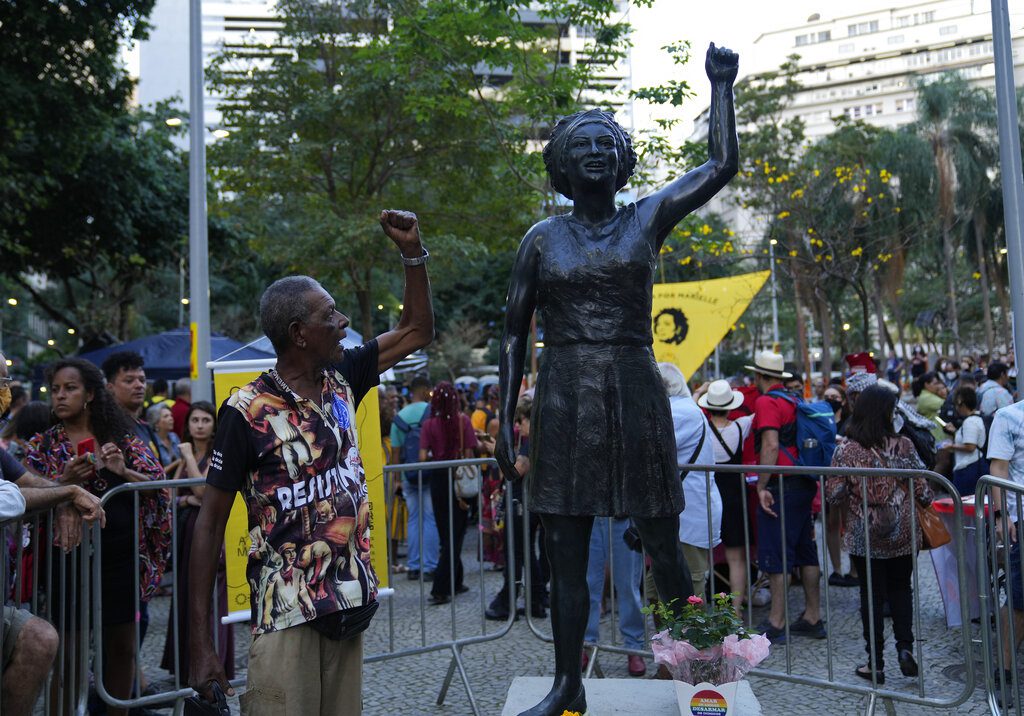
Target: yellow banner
(193,351)
(236,534)
(690,319)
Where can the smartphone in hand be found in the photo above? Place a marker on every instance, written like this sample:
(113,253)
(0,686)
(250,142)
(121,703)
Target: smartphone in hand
(86,447)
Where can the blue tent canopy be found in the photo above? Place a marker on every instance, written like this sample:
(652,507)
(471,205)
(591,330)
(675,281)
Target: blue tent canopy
(167,355)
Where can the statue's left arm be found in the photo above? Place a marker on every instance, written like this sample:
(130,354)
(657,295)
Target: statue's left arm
(668,206)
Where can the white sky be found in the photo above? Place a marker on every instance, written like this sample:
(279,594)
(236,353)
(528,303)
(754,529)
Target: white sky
(736,24)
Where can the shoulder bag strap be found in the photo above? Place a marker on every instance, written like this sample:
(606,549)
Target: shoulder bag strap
(721,441)
(696,453)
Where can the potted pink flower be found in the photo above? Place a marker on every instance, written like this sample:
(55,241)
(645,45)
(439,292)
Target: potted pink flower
(706,643)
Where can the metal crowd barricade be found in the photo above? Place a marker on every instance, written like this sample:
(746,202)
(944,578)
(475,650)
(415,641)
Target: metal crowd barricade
(56,590)
(94,638)
(998,544)
(454,643)
(874,692)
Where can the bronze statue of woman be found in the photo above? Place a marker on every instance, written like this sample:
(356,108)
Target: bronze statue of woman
(602,435)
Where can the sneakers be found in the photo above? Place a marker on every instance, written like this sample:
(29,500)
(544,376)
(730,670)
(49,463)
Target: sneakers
(801,627)
(842,580)
(804,628)
(776,635)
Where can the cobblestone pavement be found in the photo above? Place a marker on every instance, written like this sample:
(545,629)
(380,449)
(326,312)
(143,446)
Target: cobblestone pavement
(410,685)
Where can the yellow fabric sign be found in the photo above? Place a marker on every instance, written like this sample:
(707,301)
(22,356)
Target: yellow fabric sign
(193,351)
(690,319)
(236,534)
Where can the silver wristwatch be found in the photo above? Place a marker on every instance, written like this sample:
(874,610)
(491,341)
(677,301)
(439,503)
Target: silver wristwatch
(418,261)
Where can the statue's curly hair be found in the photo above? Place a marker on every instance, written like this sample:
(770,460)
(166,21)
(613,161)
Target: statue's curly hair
(554,150)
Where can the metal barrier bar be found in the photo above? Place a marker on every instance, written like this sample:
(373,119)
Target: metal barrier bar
(874,691)
(995,546)
(455,643)
(97,638)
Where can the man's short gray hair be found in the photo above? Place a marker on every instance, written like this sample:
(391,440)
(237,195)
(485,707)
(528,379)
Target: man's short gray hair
(281,305)
(182,386)
(673,380)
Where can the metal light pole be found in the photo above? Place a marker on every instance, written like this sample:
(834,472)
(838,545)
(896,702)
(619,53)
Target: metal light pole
(198,267)
(1010,163)
(775,298)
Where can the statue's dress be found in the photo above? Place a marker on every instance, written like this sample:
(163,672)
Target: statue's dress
(602,436)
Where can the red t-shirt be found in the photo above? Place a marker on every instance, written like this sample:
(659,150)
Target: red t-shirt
(771,413)
(179,411)
(432,439)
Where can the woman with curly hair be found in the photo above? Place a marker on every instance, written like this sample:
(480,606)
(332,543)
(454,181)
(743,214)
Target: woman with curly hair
(93,444)
(447,435)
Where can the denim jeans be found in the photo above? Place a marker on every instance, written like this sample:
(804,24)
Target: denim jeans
(430,538)
(627,570)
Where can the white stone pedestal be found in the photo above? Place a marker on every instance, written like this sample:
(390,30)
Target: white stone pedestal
(612,697)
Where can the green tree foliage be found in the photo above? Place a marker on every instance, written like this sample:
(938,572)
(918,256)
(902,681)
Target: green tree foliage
(430,105)
(93,196)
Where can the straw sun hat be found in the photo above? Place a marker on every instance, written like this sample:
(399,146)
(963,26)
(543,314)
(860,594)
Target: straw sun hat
(720,396)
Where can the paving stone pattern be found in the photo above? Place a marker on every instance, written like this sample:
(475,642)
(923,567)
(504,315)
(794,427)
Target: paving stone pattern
(410,685)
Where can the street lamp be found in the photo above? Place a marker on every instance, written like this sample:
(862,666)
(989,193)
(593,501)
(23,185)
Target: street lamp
(12,301)
(846,326)
(173,121)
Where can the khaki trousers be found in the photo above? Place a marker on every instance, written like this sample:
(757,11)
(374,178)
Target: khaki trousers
(697,561)
(300,672)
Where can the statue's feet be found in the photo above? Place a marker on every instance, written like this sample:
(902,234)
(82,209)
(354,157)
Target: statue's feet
(560,699)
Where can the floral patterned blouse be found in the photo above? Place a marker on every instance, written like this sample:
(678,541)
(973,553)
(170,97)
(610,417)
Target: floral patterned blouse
(887,497)
(49,452)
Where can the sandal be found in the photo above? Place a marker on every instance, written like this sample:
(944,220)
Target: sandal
(864,672)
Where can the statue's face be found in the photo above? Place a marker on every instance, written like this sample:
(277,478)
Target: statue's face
(591,155)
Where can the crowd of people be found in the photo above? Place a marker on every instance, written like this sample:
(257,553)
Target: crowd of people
(756,531)
(733,520)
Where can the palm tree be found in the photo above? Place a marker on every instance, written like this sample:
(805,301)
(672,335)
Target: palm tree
(956,120)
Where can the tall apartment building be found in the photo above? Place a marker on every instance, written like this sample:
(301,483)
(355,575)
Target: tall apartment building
(163,58)
(865,66)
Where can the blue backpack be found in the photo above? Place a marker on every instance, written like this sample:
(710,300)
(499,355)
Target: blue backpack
(815,431)
(411,446)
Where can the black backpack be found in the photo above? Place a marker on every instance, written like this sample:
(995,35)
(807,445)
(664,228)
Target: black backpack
(924,443)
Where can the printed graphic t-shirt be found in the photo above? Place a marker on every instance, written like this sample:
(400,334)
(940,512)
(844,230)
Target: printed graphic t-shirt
(297,465)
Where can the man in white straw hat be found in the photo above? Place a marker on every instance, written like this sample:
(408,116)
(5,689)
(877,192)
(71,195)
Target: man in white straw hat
(775,444)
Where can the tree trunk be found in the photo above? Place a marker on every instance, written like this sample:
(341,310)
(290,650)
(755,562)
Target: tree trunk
(823,317)
(865,316)
(1004,301)
(979,232)
(950,265)
(884,336)
(897,316)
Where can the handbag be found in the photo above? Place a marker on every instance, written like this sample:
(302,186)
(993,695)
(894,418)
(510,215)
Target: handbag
(933,532)
(467,477)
